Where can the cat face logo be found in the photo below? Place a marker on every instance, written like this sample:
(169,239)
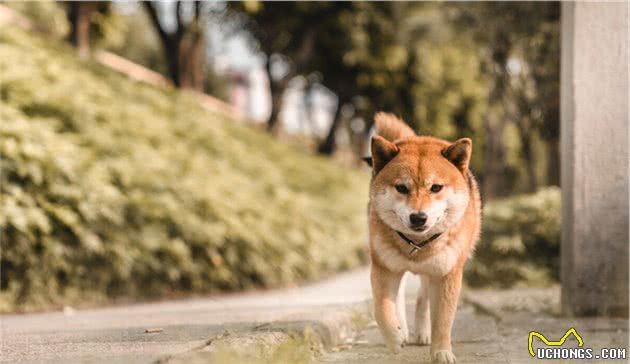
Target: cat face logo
(553,343)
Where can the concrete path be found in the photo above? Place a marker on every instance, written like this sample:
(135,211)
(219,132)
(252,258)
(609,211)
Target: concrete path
(493,327)
(490,327)
(117,334)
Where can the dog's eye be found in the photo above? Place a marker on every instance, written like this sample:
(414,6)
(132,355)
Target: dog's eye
(402,189)
(436,188)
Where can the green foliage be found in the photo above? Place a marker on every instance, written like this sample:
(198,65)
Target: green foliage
(141,43)
(520,242)
(48,16)
(486,70)
(109,28)
(394,56)
(112,188)
(518,44)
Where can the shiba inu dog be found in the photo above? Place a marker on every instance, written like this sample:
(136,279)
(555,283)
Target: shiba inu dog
(424,217)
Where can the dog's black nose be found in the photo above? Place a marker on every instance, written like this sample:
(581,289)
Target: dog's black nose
(418,219)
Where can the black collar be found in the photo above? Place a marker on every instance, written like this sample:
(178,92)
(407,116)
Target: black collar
(416,246)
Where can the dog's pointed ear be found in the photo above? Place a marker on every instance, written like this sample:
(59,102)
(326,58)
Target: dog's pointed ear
(458,153)
(383,151)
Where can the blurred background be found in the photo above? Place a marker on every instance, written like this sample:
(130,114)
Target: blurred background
(161,149)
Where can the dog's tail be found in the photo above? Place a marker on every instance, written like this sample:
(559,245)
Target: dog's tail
(390,127)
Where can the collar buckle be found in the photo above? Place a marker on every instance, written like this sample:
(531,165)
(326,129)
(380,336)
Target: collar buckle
(417,246)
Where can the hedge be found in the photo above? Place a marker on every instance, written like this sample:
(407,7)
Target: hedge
(520,243)
(115,189)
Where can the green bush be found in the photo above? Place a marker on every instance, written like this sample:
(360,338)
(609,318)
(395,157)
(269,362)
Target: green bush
(520,242)
(48,16)
(114,189)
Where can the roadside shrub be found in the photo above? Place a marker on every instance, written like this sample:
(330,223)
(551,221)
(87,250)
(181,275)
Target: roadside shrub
(48,16)
(114,189)
(520,242)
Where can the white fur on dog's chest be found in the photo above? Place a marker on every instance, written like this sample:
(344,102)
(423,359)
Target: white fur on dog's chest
(436,265)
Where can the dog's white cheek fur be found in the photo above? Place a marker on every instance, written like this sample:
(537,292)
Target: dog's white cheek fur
(456,203)
(392,211)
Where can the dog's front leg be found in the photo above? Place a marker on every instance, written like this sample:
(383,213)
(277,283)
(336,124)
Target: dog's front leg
(444,294)
(385,287)
(423,318)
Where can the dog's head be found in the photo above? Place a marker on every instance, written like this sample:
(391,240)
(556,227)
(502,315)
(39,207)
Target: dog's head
(419,185)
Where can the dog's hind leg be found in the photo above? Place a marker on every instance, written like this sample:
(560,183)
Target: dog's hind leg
(385,287)
(423,313)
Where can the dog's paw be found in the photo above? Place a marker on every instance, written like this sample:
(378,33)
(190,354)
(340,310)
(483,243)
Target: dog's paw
(405,334)
(443,357)
(423,338)
(395,341)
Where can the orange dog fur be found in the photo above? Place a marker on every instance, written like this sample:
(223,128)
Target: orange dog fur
(428,178)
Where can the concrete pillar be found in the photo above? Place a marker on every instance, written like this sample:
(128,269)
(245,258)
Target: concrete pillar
(594,147)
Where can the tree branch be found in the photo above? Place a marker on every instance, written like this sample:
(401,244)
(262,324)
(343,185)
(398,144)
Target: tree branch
(306,49)
(179,30)
(164,36)
(197,9)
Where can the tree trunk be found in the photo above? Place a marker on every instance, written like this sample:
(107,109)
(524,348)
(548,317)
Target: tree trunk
(494,175)
(530,162)
(80,19)
(190,61)
(171,54)
(553,162)
(191,52)
(183,48)
(276,105)
(494,159)
(328,146)
(276,89)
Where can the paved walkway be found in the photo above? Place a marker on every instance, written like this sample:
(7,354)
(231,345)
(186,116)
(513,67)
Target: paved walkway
(491,326)
(117,334)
